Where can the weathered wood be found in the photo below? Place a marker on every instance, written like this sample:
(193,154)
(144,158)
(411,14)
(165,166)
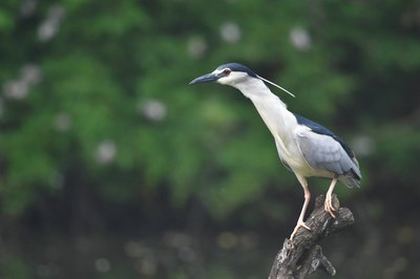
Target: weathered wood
(302,256)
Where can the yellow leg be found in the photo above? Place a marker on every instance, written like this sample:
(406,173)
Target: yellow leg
(307,195)
(328,206)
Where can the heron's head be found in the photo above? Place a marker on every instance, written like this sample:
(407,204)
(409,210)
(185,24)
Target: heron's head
(233,74)
(229,74)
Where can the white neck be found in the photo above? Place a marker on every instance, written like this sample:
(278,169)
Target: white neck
(254,88)
(279,120)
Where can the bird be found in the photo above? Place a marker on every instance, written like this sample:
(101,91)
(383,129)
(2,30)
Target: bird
(305,147)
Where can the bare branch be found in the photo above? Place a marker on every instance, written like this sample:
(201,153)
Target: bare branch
(302,256)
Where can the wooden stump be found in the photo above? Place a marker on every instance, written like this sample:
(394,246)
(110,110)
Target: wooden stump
(303,255)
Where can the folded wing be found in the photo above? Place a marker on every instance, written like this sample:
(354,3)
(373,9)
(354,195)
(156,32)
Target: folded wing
(324,151)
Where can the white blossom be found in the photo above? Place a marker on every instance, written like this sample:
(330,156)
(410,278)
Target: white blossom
(19,88)
(363,145)
(230,32)
(16,89)
(300,39)
(102,265)
(62,122)
(31,74)
(196,47)
(106,152)
(153,110)
(50,26)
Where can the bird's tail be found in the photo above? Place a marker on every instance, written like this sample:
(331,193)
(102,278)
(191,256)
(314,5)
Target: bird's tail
(353,177)
(350,181)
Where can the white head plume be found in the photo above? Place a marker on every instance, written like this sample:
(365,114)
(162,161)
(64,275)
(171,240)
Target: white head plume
(276,85)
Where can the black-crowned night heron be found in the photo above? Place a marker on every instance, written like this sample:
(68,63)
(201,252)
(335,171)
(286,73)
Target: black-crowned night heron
(305,147)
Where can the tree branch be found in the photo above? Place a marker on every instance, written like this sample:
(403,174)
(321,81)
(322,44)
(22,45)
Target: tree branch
(302,256)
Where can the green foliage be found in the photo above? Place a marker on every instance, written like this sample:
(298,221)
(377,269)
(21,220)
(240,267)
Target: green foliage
(110,63)
(14,267)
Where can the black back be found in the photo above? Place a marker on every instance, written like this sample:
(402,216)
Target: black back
(236,67)
(319,129)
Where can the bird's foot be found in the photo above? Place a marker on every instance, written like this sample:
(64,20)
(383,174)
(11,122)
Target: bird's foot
(328,206)
(299,225)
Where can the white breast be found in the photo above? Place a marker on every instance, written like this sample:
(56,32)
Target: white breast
(280,121)
(283,126)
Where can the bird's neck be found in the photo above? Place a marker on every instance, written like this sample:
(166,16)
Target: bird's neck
(259,93)
(279,120)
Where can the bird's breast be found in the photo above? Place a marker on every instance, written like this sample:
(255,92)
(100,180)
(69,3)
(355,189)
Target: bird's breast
(290,153)
(282,125)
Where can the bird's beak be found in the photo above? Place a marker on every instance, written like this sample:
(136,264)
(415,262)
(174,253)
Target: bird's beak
(205,78)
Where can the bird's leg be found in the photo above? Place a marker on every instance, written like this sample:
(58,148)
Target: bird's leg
(307,195)
(328,206)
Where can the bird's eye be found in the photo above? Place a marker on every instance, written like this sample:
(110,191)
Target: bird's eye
(226,72)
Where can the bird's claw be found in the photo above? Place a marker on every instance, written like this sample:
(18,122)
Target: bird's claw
(328,206)
(299,225)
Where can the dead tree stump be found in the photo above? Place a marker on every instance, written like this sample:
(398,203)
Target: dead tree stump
(303,255)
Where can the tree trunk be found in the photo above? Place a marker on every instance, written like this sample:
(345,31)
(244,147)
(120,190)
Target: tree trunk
(302,256)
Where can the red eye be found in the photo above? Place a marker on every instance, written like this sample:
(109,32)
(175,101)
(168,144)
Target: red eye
(226,72)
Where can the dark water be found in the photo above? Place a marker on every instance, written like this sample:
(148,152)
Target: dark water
(176,254)
(163,255)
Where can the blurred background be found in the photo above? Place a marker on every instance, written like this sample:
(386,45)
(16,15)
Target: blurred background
(111,166)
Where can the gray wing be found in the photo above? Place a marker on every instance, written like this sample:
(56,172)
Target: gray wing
(323,152)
